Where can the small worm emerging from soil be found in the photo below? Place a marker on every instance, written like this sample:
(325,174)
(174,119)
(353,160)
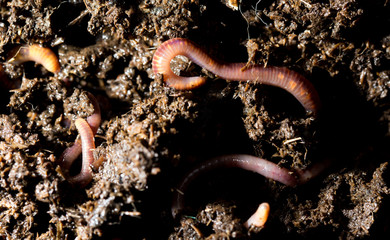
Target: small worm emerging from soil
(247,162)
(281,77)
(85,146)
(38,54)
(259,218)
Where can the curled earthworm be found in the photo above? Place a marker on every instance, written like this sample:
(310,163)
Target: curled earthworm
(87,145)
(259,218)
(44,56)
(296,84)
(247,162)
(87,130)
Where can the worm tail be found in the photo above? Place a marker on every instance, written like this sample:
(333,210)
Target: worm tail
(38,54)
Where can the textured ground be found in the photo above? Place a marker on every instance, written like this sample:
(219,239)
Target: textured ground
(151,135)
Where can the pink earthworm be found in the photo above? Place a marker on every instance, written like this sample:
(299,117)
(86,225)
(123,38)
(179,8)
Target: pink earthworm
(264,167)
(87,145)
(44,56)
(301,88)
(87,130)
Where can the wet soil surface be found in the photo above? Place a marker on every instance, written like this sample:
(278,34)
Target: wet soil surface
(152,135)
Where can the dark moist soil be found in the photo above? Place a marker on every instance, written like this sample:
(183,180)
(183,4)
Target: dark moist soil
(151,135)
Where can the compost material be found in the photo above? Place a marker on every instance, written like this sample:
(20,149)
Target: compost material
(151,134)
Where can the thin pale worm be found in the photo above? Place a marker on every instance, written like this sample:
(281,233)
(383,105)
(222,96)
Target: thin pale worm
(87,130)
(247,162)
(44,56)
(87,146)
(296,84)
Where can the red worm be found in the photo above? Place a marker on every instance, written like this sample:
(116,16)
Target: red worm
(86,146)
(281,77)
(38,54)
(87,130)
(251,163)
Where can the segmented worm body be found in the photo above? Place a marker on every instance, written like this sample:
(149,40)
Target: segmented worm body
(87,130)
(297,85)
(44,56)
(247,162)
(87,145)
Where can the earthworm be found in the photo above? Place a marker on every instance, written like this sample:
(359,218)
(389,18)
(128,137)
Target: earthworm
(281,77)
(87,130)
(259,218)
(44,56)
(247,162)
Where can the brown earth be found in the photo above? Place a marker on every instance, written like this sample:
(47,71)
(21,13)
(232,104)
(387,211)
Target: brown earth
(151,135)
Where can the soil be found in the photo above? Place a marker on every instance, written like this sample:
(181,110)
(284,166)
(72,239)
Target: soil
(151,135)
